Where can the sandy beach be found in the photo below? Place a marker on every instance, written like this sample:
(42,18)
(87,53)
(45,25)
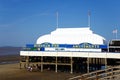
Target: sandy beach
(12,71)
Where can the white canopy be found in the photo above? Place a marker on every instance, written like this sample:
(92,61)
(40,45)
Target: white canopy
(71,36)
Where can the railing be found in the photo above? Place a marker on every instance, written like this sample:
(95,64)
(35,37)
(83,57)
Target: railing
(109,74)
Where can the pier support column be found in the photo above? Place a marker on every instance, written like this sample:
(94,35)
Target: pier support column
(20,64)
(105,63)
(27,62)
(41,64)
(95,63)
(56,65)
(71,62)
(88,65)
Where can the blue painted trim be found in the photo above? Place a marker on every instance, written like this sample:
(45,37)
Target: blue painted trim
(82,45)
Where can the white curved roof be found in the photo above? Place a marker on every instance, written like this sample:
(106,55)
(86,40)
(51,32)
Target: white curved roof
(71,36)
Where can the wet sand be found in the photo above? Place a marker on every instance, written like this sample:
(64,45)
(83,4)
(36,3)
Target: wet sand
(8,59)
(12,71)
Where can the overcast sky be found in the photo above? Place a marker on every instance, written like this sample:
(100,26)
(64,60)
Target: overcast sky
(23,21)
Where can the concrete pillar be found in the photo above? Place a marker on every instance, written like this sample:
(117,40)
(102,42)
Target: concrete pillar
(71,65)
(105,62)
(88,65)
(56,65)
(20,64)
(27,61)
(41,64)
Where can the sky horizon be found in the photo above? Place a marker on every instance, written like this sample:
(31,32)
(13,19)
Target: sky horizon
(24,21)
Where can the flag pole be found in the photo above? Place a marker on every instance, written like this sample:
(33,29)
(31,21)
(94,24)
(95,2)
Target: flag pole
(115,32)
(57,19)
(116,35)
(89,18)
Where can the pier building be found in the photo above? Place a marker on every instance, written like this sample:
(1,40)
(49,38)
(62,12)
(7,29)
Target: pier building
(71,49)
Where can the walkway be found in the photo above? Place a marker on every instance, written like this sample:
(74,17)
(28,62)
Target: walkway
(112,73)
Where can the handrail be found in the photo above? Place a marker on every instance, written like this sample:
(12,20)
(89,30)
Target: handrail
(110,72)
